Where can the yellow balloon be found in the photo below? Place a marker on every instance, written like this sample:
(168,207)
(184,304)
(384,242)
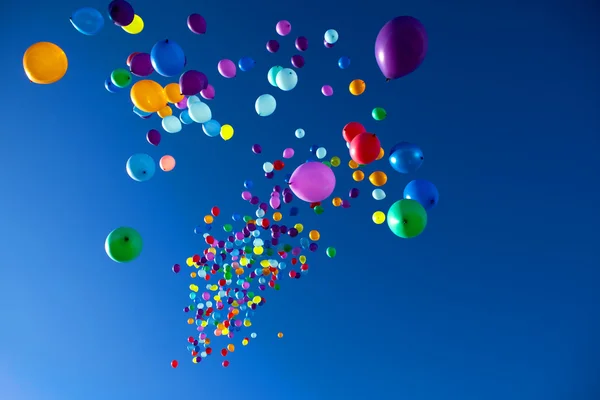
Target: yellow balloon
(358,176)
(148,96)
(335,161)
(378,217)
(381,153)
(378,178)
(136,26)
(299,227)
(165,112)
(357,87)
(45,63)
(208,219)
(226,131)
(314,235)
(352,164)
(173,93)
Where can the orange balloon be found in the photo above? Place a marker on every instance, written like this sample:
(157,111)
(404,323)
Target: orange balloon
(358,175)
(45,63)
(357,87)
(378,178)
(336,201)
(381,154)
(167,163)
(148,96)
(173,93)
(165,112)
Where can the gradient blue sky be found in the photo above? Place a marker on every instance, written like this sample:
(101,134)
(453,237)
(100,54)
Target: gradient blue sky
(498,299)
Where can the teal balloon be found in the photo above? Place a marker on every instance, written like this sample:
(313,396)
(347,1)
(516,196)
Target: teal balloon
(171,124)
(87,20)
(246,64)
(265,105)
(193,99)
(211,128)
(199,112)
(139,112)
(140,167)
(121,78)
(272,75)
(407,218)
(185,118)
(286,79)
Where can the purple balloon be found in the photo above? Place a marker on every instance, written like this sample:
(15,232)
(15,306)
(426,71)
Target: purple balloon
(141,65)
(328,45)
(354,192)
(256,148)
(283,27)
(301,43)
(298,61)
(273,46)
(208,93)
(197,24)
(227,68)
(176,268)
(327,90)
(182,105)
(312,182)
(400,47)
(192,82)
(153,137)
(121,12)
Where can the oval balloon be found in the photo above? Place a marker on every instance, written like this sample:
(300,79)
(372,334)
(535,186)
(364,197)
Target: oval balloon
(297,61)
(121,78)
(344,62)
(171,124)
(423,192)
(121,12)
(272,46)
(208,93)
(141,65)
(246,64)
(331,36)
(283,28)
(87,20)
(192,82)
(185,118)
(197,24)
(227,68)
(312,182)
(45,63)
(136,26)
(357,87)
(173,93)
(211,128)
(406,157)
(272,74)
(168,58)
(407,218)
(140,167)
(200,112)
(352,130)
(153,137)
(110,87)
(327,90)
(378,114)
(148,96)
(123,244)
(301,43)
(265,105)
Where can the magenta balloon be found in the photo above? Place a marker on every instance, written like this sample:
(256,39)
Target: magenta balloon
(298,61)
(400,47)
(328,45)
(153,137)
(283,28)
(208,93)
(327,90)
(192,82)
(227,68)
(312,181)
(182,105)
(301,43)
(273,46)
(141,65)
(197,24)
(288,153)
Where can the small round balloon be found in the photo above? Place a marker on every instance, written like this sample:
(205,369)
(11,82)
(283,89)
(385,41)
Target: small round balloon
(331,36)
(297,61)
(365,148)
(272,46)
(45,63)
(140,167)
(192,82)
(167,163)
(153,137)
(283,28)
(123,244)
(327,90)
(171,124)
(141,65)
(422,191)
(110,87)
(265,105)
(121,78)
(300,133)
(197,24)
(136,26)
(246,64)
(301,43)
(148,96)
(378,114)
(272,75)
(208,93)
(87,20)
(121,12)
(357,87)
(344,62)
(200,112)
(407,218)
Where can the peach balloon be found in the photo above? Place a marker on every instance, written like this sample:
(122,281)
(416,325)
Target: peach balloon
(167,163)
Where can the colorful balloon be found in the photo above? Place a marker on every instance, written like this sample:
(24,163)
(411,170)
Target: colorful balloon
(45,63)
(171,124)
(357,87)
(200,112)
(331,36)
(173,93)
(344,62)
(407,218)
(123,244)
(141,65)
(378,194)
(406,157)
(246,64)
(211,128)
(265,105)
(272,74)
(153,136)
(272,46)
(208,93)
(196,23)
(364,148)
(327,90)
(121,78)
(352,130)
(299,133)
(136,26)
(227,68)
(87,20)
(120,12)
(286,79)
(312,182)
(167,163)
(283,28)
(168,58)
(301,43)
(185,118)
(378,114)
(140,167)
(423,192)
(130,57)
(226,132)
(297,61)
(110,87)
(192,82)
(378,217)
(148,96)
(378,178)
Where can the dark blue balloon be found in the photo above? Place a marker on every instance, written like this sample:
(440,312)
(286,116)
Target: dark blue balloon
(110,87)
(248,184)
(422,191)
(168,58)
(246,64)
(344,62)
(406,157)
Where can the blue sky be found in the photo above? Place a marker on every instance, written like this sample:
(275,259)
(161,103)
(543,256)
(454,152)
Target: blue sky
(497,299)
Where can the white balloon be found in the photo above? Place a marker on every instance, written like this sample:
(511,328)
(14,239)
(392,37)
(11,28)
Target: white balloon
(265,105)
(321,152)
(268,167)
(200,112)
(171,124)
(378,194)
(331,36)
(286,79)
(300,133)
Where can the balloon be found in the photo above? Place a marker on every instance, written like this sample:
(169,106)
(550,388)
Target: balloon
(173,93)
(196,23)
(312,182)
(171,124)
(110,87)
(226,132)
(153,137)
(200,112)
(181,104)
(283,28)
(272,74)
(140,167)
(121,12)
(211,128)
(272,46)
(45,63)
(331,252)
(321,153)
(378,217)
(301,43)
(227,68)
(422,191)
(123,244)
(192,82)
(357,87)
(351,130)
(165,111)
(136,26)
(300,133)
(400,47)
(257,149)
(407,218)
(140,113)
(192,99)
(208,93)
(141,65)
(378,178)
(286,79)
(87,20)
(331,36)
(121,78)
(327,90)
(406,157)
(344,62)
(185,118)
(148,96)
(297,61)
(167,163)
(265,105)
(288,153)
(246,64)
(378,114)
(378,194)
(168,58)
(364,148)
(130,57)
(327,45)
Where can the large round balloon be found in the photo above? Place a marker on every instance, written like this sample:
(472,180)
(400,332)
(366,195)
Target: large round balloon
(407,218)
(265,105)
(406,157)
(197,24)
(192,82)
(148,96)
(121,12)
(45,63)
(272,75)
(312,182)
(400,47)
(168,58)
(352,130)
(87,20)
(286,79)
(140,167)
(141,65)
(124,244)
(365,148)
(422,191)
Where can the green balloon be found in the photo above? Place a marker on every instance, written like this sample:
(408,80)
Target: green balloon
(407,218)
(121,78)
(378,114)
(123,244)
(331,252)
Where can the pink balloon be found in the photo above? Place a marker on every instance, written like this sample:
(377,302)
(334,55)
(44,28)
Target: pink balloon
(208,93)
(246,195)
(283,28)
(327,90)
(288,153)
(182,105)
(312,182)
(275,202)
(227,68)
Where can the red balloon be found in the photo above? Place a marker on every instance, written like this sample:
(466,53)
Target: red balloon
(215,211)
(174,363)
(365,148)
(352,130)
(225,364)
(131,58)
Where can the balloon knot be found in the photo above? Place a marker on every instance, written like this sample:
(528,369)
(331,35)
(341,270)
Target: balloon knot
(126,239)
(404,222)
(387,79)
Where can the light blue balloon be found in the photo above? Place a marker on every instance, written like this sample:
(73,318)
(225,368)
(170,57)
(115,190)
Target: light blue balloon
(211,128)
(111,87)
(272,75)
(321,153)
(378,194)
(331,36)
(140,167)
(192,100)
(286,79)
(171,124)
(87,20)
(185,118)
(344,62)
(141,113)
(300,133)
(246,64)
(199,112)
(168,58)
(265,105)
